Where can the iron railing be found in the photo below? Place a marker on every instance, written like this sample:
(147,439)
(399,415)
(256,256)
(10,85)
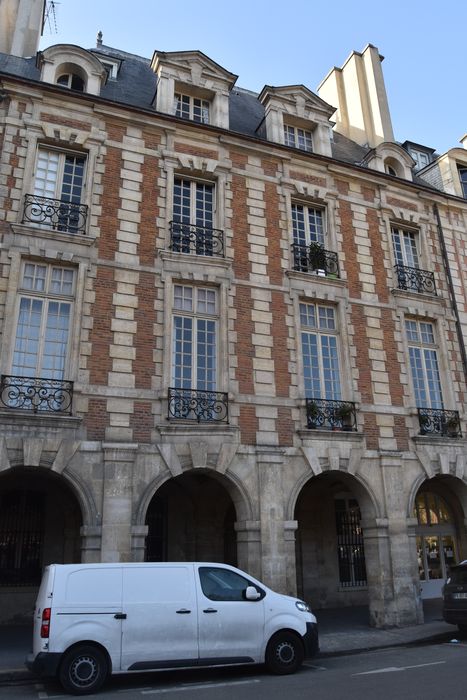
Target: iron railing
(36,394)
(437,421)
(196,240)
(198,405)
(56,214)
(328,414)
(415,280)
(315,258)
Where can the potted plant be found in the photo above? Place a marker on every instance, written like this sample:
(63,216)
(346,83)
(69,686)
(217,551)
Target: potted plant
(317,258)
(451,426)
(312,414)
(424,421)
(343,414)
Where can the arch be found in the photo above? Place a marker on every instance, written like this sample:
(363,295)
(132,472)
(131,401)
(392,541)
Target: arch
(369,503)
(234,487)
(448,481)
(76,76)
(62,59)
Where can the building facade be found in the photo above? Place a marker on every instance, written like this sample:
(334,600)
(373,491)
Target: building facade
(232,329)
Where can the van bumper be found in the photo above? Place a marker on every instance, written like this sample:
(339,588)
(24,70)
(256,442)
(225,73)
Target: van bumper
(310,640)
(44,663)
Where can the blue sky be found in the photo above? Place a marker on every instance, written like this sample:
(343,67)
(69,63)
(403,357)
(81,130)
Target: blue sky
(299,41)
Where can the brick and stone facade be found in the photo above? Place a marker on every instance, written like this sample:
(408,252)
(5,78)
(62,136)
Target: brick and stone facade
(126,479)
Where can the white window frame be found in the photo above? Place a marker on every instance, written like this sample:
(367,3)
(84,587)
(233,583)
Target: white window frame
(194,104)
(424,346)
(406,258)
(193,312)
(47,297)
(307,208)
(298,137)
(321,332)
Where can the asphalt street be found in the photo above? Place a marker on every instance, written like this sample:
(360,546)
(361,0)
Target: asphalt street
(427,672)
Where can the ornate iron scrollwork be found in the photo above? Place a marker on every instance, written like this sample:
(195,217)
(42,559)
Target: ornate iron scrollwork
(196,240)
(36,394)
(415,280)
(315,258)
(56,214)
(327,414)
(437,421)
(198,405)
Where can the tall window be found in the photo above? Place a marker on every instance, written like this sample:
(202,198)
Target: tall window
(463,179)
(59,175)
(319,350)
(193,108)
(298,138)
(194,345)
(405,247)
(307,225)
(424,364)
(43,321)
(193,213)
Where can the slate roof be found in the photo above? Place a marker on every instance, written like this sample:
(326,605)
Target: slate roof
(136,86)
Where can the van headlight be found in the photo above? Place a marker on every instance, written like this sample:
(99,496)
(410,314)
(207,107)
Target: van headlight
(303,607)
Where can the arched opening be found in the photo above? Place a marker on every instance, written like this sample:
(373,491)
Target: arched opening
(191,518)
(330,547)
(40,521)
(71,76)
(440,533)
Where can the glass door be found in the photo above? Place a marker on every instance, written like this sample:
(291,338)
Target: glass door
(435,555)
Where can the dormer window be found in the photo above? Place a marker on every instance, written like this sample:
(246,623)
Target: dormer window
(463,180)
(298,138)
(72,81)
(193,108)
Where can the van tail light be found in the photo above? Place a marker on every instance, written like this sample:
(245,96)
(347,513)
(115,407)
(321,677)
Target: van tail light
(45,626)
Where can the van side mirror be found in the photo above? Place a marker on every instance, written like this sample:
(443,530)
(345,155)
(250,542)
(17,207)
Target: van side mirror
(251,593)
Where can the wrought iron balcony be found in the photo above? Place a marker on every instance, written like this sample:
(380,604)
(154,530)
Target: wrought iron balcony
(437,421)
(196,240)
(327,414)
(314,258)
(36,394)
(415,280)
(198,405)
(56,214)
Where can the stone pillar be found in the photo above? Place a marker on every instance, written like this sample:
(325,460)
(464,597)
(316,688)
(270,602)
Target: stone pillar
(117,501)
(389,551)
(270,466)
(138,541)
(249,547)
(290,528)
(91,544)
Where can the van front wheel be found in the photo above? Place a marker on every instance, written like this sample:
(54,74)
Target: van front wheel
(83,670)
(284,653)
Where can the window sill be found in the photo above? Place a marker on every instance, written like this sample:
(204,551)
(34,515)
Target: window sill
(13,417)
(50,234)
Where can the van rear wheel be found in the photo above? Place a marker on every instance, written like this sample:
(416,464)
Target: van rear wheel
(284,653)
(83,670)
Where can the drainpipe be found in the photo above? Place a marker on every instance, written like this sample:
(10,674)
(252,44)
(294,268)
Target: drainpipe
(451,290)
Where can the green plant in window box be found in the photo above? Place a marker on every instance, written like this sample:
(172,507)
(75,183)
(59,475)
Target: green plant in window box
(317,256)
(344,414)
(313,414)
(424,421)
(451,426)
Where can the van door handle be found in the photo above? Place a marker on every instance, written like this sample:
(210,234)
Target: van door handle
(120,616)
(209,610)
(183,611)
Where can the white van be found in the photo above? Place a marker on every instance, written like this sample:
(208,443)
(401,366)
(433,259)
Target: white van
(91,620)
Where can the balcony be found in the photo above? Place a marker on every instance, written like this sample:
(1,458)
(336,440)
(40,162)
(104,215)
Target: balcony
(66,217)
(196,240)
(327,414)
(36,394)
(197,405)
(437,421)
(314,258)
(413,279)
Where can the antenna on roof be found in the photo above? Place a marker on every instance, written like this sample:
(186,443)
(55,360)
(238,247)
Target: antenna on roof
(50,16)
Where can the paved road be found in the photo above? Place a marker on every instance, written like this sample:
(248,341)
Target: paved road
(412,673)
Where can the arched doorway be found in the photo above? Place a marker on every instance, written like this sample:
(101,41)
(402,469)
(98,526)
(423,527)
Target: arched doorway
(439,532)
(40,521)
(330,548)
(191,518)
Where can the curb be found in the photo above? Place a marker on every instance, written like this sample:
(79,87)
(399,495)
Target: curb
(439,637)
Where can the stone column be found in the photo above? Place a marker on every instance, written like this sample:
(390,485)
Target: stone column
(91,543)
(290,528)
(117,501)
(273,556)
(138,541)
(249,547)
(391,566)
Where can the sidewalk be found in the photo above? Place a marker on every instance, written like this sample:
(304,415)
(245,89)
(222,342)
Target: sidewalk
(341,631)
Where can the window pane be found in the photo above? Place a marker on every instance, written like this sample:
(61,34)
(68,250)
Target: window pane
(182,352)
(55,340)
(25,356)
